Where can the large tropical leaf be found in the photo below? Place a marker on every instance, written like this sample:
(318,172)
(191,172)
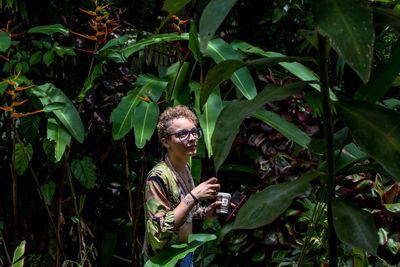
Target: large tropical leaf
(5,41)
(283,126)
(224,70)
(295,68)
(385,16)
(169,37)
(3,87)
(170,255)
(68,116)
(173,6)
(382,81)
(144,122)
(235,112)
(220,51)
(122,116)
(23,154)
(49,29)
(85,171)
(354,226)
(60,136)
(265,206)
(376,130)
(351,33)
(211,18)
(151,85)
(30,127)
(194,44)
(89,82)
(177,83)
(208,118)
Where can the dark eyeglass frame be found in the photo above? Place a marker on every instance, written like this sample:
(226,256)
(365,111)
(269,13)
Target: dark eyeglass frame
(190,132)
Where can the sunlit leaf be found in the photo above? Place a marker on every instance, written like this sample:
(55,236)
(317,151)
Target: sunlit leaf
(235,112)
(49,29)
(18,253)
(151,85)
(60,136)
(376,130)
(337,19)
(395,207)
(354,226)
(265,206)
(194,43)
(85,171)
(212,17)
(68,116)
(144,122)
(220,51)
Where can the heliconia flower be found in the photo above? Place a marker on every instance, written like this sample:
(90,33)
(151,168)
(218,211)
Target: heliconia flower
(85,36)
(91,13)
(113,29)
(16,34)
(175,17)
(100,33)
(94,25)
(102,17)
(144,98)
(84,50)
(184,21)
(18,115)
(16,104)
(9,109)
(159,102)
(9,82)
(23,88)
(8,92)
(100,8)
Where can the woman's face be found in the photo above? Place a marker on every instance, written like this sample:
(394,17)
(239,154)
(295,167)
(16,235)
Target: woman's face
(181,148)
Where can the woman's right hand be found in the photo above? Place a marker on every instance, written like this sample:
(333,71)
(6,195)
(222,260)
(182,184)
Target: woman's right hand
(207,190)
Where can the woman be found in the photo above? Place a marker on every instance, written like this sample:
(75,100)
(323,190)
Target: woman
(171,200)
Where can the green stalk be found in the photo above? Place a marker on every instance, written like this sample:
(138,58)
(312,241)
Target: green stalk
(323,56)
(128,184)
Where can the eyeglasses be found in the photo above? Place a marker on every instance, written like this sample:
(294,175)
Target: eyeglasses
(184,135)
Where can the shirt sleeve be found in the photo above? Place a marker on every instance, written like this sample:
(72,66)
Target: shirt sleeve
(160,220)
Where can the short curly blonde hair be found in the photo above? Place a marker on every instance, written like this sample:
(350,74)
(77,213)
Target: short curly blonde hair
(170,114)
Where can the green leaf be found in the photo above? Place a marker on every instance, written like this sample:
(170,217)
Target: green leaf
(18,253)
(122,116)
(170,255)
(380,83)
(395,207)
(5,41)
(48,58)
(168,37)
(194,44)
(48,191)
(49,29)
(265,206)
(220,51)
(30,127)
(62,50)
(283,126)
(68,116)
(35,58)
(212,17)
(354,226)
(195,169)
(235,112)
(238,168)
(174,6)
(351,33)
(113,43)
(152,84)
(208,118)
(53,106)
(85,171)
(60,136)
(177,85)
(376,130)
(108,244)
(22,155)
(144,122)
(89,82)
(3,87)
(295,68)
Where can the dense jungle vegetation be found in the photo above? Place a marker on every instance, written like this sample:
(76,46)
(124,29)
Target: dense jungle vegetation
(298,100)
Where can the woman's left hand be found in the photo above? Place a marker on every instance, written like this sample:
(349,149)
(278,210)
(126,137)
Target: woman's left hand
(211,210)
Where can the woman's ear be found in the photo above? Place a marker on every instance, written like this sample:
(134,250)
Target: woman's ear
(164,142)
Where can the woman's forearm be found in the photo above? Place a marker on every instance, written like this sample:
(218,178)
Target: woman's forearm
(182,210)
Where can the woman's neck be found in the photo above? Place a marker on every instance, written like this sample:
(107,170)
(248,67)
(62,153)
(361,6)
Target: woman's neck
(179,164)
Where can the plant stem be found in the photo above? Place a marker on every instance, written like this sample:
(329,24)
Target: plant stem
(128,184)
(14,186)
(323,56)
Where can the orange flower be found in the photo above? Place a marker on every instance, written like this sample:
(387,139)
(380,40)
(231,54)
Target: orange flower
(4,57)
(18,115)
(85,36)
(23,88)
(91,13)
(100,8)
(9,109)
(15,104)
